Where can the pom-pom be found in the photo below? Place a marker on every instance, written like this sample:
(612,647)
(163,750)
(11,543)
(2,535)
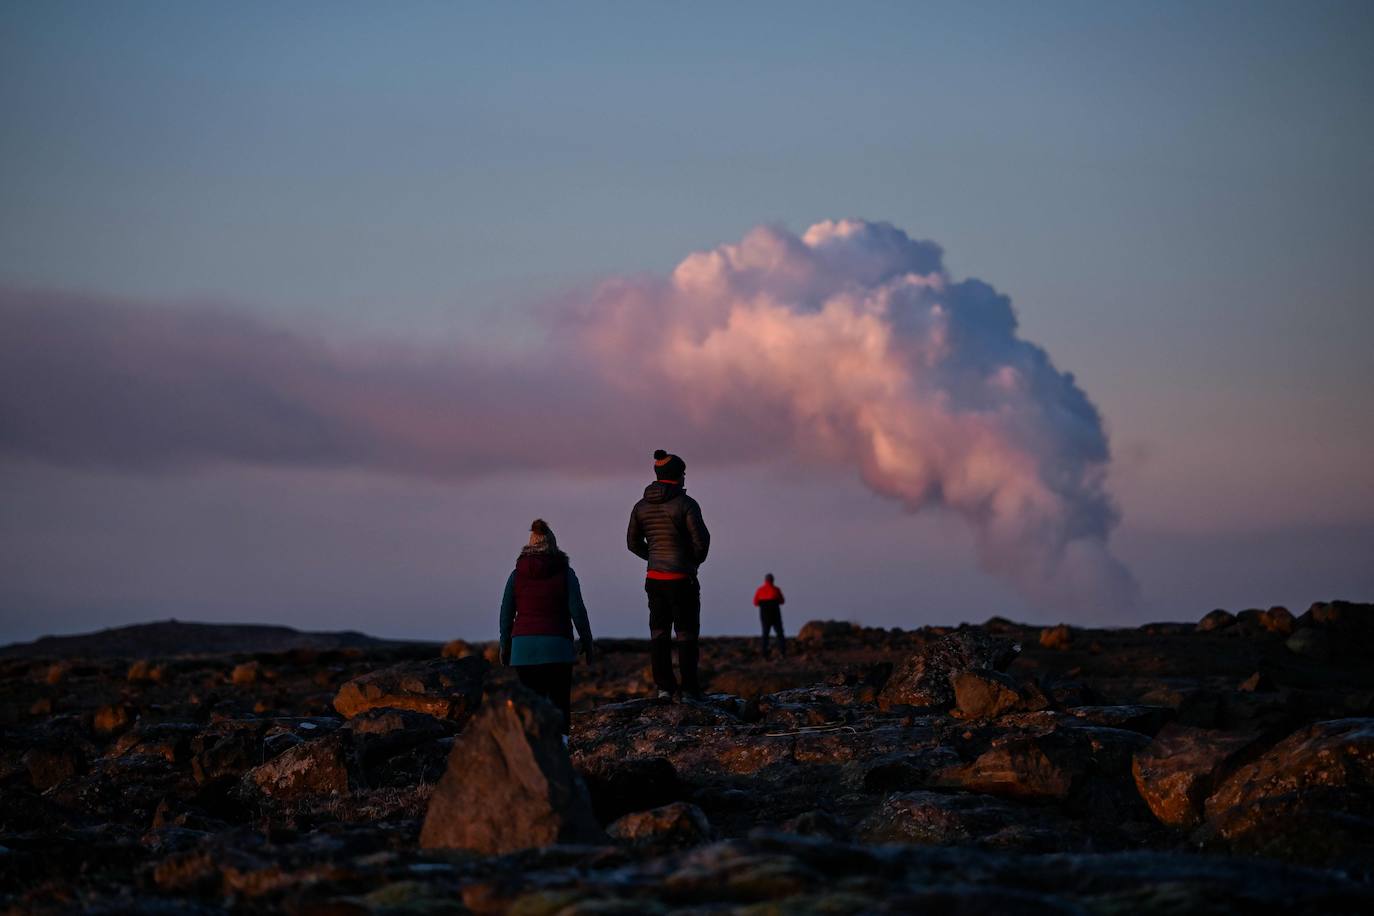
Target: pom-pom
(660,454)
(539,526)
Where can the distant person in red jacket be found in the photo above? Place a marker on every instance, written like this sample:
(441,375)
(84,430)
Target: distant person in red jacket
(769,600)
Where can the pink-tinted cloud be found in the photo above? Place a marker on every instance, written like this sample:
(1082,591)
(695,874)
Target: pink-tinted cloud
(848,346)
(89,382)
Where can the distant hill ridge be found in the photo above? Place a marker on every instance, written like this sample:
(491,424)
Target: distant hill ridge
(166,638)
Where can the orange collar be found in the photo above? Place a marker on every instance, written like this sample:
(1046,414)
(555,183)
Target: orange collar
(661,480)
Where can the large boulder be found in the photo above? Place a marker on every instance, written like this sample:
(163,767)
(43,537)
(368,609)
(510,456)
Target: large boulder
(1277,620)
(984,694)
(317,767)
(1308,798)
(509,783)
(1181,767)
(924,678)
(447,688)
(1088,765)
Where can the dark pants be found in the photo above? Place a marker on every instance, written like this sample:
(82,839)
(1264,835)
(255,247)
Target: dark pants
(674,607)
(553,682)
(770,616)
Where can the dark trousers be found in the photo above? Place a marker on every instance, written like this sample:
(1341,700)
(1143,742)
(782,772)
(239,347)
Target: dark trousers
(674,607)
(770,616)
(553,682)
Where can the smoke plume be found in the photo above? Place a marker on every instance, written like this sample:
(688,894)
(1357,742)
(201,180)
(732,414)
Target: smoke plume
(849,346)
(853,345)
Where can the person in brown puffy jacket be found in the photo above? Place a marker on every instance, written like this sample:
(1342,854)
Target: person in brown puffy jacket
(667,530)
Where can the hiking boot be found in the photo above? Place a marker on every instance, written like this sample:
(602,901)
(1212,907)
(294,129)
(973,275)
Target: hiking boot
(666,695)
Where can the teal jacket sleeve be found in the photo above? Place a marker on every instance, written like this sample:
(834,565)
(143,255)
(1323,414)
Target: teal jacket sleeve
(577,609)
(507,613)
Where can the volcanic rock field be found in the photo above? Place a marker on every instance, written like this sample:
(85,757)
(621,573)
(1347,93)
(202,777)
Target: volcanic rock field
(1225,765)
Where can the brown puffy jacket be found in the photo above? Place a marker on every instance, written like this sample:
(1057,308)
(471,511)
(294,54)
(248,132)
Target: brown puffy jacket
(666,528)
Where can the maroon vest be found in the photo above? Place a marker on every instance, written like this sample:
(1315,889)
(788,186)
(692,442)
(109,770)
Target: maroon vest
(541,596)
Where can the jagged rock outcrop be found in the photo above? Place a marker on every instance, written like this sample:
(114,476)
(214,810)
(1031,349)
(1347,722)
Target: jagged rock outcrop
(510,784)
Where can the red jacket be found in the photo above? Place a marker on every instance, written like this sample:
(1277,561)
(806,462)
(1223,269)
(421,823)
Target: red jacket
(770,593)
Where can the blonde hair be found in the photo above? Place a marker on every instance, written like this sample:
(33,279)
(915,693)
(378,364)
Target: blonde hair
(542,535)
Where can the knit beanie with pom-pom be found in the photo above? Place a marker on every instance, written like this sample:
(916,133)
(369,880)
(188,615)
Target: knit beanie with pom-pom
(541,535)
(669,467)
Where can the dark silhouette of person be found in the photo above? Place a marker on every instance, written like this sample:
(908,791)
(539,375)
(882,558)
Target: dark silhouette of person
(542,602)
(769,600)
(667,530)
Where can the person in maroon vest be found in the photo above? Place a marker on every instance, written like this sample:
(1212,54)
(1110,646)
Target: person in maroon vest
(541,604)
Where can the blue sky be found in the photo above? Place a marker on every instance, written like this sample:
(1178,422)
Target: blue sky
(1177,197)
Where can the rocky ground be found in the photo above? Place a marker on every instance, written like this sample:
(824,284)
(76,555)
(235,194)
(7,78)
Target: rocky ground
(1223,766)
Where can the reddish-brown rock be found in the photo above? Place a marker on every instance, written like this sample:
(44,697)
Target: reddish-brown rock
(924,678)
(1181,767)
(1219,619)
(246,674)
(509,784)
(446,688)
(816,633)
(983,694)
(112,719)
(458,648)
(1333,754)
(676,824)
(1052,765)
(144,671)
(313,768)
(1060,637)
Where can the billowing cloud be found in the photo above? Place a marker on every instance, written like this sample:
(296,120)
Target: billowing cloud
(853,345)
(848,346)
